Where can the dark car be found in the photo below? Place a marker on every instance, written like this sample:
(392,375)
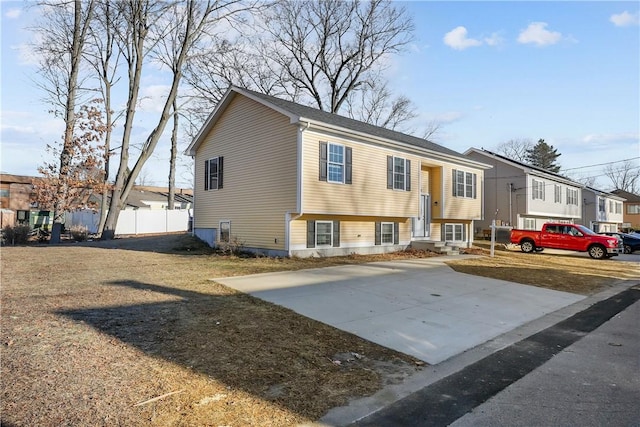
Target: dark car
(631,242)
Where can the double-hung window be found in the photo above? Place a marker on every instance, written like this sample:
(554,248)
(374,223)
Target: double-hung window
(537,189)
(335,163)
(323,234)
(387,233)
(601,205)
(398,173)
(464,184)
(454,232)
(557,193)
(572,196)
(213,174)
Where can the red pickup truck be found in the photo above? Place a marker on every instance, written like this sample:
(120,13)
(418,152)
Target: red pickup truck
(570,237)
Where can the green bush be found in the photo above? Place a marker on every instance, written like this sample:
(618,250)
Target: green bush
(15,235)
(79,233)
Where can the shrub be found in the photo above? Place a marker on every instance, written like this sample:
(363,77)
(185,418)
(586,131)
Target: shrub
(15,235)
(233,247)
(79,233)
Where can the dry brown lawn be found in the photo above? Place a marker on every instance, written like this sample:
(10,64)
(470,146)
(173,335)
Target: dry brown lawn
(92,333)
(90,330)
(562,270)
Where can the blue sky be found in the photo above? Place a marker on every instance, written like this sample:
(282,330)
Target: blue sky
(568,72)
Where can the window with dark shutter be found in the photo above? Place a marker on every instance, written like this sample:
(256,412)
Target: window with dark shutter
(311,234)
(464,184)
(347,165)
(206,175)
(213,174)
(323,161)
(398,173)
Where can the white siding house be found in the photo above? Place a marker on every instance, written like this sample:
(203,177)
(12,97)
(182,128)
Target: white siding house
(524,196)
(602,211)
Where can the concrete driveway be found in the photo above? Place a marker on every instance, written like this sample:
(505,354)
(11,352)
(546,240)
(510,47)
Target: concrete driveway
(419,307)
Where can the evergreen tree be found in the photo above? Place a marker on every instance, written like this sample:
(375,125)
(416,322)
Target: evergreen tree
(544,156)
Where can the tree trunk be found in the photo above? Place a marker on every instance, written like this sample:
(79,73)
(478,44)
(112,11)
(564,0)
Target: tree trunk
(172,160)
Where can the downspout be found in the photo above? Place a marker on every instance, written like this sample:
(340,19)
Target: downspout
(299,193)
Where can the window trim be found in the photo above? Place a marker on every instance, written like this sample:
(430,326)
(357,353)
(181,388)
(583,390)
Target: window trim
(341,165)
(557,193)
(464,184)
(537,189)
(208,174)
(330,244)
(391,173)
(572,196)
(382,233)
(347,163)
(453,232)
(220,240)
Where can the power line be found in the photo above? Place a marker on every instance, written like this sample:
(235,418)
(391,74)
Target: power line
(601,164)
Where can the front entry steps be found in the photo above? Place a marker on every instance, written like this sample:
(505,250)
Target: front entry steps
(438,247)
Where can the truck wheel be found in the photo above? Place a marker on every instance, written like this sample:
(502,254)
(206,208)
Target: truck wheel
(527,246)
(597,252)
(627,249)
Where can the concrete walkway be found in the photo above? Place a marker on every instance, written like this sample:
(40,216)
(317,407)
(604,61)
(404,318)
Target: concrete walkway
(419,307)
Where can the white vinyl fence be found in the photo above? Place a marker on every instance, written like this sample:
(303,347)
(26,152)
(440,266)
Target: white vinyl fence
(140,221)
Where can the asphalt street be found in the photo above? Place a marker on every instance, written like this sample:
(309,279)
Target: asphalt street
(582,371)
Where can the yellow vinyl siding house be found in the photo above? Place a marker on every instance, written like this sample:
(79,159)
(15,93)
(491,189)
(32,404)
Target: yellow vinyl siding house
(286,179)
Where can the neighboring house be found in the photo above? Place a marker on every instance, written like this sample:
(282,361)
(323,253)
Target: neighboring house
(285,179)
(145,197)
(602,211)
(524,196)
(17,197)
(16,194)
(630,209)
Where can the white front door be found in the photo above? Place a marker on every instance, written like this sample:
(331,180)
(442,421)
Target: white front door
(421,224)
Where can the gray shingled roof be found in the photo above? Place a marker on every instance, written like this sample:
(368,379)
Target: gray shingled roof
(351,124)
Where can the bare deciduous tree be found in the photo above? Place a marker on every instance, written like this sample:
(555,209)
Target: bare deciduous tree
(63,34)
(374,103)
(515,149)
(329,48)
(104,58)
(625,176)
(147,24)
(327,54)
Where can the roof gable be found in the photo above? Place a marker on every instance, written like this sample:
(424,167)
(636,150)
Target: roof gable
(299,113)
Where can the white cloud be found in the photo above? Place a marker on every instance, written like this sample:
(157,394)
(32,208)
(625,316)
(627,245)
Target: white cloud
(457,39)
(607,138)
(13,13)
(537,33)
(625,19)
(494,40)
(153,98)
